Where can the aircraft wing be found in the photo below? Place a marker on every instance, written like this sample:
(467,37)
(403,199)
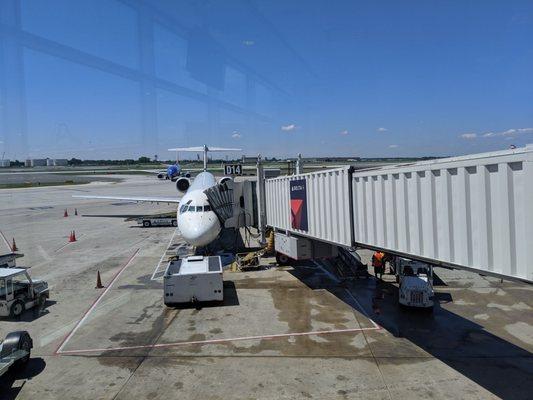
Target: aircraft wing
(169,200)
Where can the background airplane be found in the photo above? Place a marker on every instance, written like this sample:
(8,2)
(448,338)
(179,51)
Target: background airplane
(173,172)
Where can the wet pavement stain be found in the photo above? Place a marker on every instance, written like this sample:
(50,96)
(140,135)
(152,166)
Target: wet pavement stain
(148,337)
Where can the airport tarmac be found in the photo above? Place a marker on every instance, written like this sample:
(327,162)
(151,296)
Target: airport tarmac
(281,333)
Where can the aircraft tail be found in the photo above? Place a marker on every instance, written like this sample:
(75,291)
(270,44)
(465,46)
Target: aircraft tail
(204,149)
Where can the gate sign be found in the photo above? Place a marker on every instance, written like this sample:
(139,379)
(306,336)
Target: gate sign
(232,169)
(299,204)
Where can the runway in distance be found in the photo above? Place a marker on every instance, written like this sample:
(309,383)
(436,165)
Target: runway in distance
(197,222)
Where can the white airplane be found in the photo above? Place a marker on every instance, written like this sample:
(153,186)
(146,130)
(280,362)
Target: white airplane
(197,222)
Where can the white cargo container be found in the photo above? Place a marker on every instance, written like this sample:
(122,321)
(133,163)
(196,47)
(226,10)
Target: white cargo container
(327,205)
(474,211)
(193,279)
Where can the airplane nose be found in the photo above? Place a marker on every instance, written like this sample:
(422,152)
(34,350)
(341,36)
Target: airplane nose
(198,229)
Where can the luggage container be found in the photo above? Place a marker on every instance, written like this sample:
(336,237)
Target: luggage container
(193,279)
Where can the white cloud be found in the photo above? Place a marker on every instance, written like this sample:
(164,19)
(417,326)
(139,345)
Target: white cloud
(508,132)
(248,42)
(289,128)
(344,132)
(393,146)
(469,136)
(382,130)
(236,135)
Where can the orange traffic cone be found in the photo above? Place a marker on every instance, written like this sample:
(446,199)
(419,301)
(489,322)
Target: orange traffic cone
(75,211)
(14,246)
(72,237)
(98,281)
(65,214)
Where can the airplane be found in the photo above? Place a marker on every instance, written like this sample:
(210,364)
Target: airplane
(173,172)
(197,222)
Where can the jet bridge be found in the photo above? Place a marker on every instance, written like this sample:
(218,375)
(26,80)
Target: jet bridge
(473,212)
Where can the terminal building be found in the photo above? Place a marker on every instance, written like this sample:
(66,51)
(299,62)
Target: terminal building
(5,163)
(46,162)
(35,162)
(56,162)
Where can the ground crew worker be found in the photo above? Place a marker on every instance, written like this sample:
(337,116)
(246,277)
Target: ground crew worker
(378,263)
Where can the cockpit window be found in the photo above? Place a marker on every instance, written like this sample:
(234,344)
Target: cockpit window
(193,208)
(186,207)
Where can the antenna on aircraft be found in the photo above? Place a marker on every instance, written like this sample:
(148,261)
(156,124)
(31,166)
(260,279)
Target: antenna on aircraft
(204,149)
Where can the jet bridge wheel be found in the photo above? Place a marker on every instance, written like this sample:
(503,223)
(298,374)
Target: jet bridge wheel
(147,224)
(283,259)
(19,340)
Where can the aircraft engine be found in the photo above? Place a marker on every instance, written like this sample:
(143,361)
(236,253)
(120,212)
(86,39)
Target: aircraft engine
(182,184)
(224,179)
(161,176)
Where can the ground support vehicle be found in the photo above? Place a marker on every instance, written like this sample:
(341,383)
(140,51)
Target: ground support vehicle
(415,283)
(18,292)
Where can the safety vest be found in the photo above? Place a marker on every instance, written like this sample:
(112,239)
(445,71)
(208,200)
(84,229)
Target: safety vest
(377,259)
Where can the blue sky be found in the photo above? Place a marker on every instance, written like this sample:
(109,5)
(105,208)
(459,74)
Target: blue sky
(322,78)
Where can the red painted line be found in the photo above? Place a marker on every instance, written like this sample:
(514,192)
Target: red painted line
(216,341)
(7,243)
(94,304)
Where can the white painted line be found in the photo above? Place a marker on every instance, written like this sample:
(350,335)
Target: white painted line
(376,325)
(43,253)
(329,274)
(6,242)
(68,243)
(95,303)
(156,270)
(334,278)
(215,341)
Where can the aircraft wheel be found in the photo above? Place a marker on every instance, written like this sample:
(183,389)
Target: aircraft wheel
(147,224)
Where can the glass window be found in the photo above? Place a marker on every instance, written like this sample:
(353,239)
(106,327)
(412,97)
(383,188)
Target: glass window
(2,289)
(207,208)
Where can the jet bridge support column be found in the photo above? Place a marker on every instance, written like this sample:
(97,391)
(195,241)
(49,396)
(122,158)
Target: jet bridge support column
(261,200)
(299,164)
